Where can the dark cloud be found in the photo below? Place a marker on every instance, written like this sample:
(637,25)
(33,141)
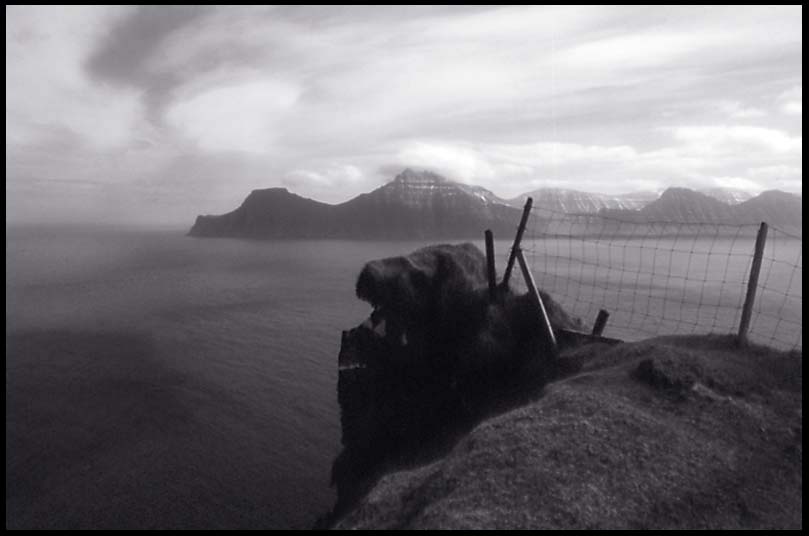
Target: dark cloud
(321,15)
(122,55)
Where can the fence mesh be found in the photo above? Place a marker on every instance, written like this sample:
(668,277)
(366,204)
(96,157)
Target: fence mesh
(664,278)
(776,318)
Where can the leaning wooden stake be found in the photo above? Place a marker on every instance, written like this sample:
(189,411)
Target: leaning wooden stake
(517,239)
(601,321)
(532,290)
(490,271)
(752,284)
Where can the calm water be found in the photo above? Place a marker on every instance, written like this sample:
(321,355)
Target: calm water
(159,380)
(156,380)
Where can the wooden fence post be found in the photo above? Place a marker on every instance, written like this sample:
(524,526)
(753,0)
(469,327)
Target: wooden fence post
(537,299)
(517,239)
(490,270)
(752,284)
(601,321)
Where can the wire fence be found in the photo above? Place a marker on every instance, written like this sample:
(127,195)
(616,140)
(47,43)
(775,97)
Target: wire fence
(662,278)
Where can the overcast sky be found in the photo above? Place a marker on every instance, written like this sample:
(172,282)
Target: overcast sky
(157,114)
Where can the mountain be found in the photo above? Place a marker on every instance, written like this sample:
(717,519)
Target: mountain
(573,201)
(778,208)
(576,202)
(680,205)
(683,205)
(273,212)
(414,205)
(423,205)
(729,196)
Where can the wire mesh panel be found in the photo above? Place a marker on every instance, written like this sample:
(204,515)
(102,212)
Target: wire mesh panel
(777,317)
(661,278)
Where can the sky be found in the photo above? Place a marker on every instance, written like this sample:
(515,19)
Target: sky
(155,114)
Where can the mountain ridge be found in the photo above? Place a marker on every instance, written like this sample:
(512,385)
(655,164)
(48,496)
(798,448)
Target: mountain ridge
(683,205)
(414,205)
(426,205)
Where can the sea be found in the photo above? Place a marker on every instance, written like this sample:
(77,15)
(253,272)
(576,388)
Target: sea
(155,380)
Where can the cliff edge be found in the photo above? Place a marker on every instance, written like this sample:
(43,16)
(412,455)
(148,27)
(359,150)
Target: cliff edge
(675,432)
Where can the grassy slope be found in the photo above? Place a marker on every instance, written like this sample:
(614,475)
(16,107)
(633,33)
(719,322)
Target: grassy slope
(676,432)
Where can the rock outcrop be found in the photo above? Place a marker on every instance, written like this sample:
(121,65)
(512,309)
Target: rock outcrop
(430,359)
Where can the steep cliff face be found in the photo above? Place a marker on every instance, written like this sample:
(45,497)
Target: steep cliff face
(678,432)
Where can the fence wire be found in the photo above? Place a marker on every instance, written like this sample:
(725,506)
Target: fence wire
(663,278)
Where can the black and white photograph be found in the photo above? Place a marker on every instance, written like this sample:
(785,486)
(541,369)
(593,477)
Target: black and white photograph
(330,267)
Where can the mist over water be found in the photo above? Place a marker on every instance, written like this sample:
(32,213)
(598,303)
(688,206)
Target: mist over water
(156,380)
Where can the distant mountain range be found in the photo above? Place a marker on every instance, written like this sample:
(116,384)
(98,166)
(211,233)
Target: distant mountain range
(683,205)
(424,205)
(573,201)
(414,205)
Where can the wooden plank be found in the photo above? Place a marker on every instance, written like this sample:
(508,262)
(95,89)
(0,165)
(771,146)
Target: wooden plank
(490,269)
(532,290)
(571,337)
(517,240)
(752,284)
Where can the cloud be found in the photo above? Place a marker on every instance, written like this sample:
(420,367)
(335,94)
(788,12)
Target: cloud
(334,175)
(738,183)
(195,106)
(458,162)
(511,169)
(694,156)
(713,139)
(735,110)
(792,101)
(234,118)
(123,54)
(639,50)
(45,86)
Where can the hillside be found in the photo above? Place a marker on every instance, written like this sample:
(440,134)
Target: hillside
(689,206)
(683,433)
(414,205)
(775,207)
(270,213)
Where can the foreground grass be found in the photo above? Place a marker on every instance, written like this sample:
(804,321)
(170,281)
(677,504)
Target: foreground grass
(672,432)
